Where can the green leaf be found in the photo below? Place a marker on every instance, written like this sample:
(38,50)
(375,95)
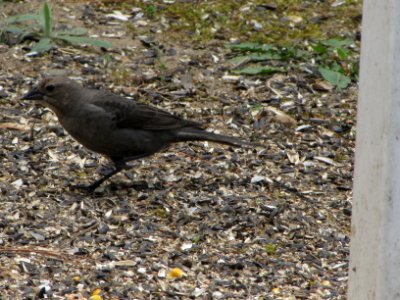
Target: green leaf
(242,59)
(107,58)
(319,48)
(20,18)
(264,56)
(290,52)
(343,54)
(252,47)
(335,78)
(239,60)
(336,67)
(354,70)
(256,107)
(242,46)
(43,45)
(270,249)
(335,43)
(74,31)
(258,70)
(303,54)
(46,20)
(75,40)
(151,11)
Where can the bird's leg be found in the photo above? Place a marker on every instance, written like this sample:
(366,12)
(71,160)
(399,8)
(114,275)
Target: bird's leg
(119,166)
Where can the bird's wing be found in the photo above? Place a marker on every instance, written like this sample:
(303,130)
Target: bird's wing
(128,113)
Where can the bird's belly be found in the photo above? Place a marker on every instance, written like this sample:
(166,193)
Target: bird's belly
(120,142)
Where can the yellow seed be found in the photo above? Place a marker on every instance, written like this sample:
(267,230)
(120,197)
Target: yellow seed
(95,297)
(96,292)
(175,273)
(76,278)
(276,290)
(325,283)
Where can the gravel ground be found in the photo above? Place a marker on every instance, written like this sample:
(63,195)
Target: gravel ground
(197,221)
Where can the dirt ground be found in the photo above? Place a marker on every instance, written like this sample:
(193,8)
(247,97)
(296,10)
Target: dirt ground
(198,220)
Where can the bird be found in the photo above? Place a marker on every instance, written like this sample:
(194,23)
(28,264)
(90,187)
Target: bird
(117,127)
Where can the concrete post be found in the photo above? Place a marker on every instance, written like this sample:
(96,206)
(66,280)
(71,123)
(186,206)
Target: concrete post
(375,240)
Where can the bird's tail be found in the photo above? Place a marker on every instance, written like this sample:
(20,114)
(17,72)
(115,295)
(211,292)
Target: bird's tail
(196,134)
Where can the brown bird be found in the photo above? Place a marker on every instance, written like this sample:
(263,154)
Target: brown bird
(120,128)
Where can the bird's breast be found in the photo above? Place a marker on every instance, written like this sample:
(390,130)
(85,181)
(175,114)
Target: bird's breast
(90,132)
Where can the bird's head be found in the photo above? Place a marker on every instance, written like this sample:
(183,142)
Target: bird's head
(54,92)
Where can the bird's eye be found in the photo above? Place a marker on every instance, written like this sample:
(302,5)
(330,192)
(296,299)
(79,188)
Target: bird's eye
(50,88)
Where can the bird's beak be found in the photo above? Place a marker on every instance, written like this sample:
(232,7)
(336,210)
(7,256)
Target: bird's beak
(33,94)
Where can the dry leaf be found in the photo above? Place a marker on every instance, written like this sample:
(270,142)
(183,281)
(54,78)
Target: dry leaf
(322,86)
(282,117)
(325,160)
(293,157)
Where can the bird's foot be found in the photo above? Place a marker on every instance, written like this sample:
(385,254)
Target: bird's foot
(89,189)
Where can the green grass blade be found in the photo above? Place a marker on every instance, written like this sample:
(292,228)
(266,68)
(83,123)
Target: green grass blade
(74,31)
(75,40)
(20,18)
(46,20)
(12,29)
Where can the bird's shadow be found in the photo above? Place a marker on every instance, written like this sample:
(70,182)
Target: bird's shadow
(112,187)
